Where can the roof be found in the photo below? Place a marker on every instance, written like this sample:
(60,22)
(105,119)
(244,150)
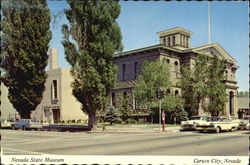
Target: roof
(174,30)
(146,49)
(218,48)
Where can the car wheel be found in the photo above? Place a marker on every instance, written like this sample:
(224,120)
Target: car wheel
(233,129)
(24,128)
(201,131)
(218,130)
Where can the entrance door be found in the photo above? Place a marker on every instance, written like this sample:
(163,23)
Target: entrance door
(56,115)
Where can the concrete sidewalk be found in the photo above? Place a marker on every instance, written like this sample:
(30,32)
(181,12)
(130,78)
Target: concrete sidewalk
(134,129)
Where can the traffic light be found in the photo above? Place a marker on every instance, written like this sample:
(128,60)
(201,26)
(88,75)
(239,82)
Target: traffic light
(162,94)
(159,94)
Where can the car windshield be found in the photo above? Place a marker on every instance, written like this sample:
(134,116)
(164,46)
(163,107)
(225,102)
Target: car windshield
(195,118)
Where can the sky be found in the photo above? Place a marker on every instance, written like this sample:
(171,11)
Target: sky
(139,21)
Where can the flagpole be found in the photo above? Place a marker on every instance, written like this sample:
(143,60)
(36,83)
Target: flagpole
(209,22)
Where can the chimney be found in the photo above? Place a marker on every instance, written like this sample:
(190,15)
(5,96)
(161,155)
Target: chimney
(53,59)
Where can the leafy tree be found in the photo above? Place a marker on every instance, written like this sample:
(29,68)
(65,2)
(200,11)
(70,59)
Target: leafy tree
(173,108)
(203,87)
(193,84)
(90,42)
(125,109)
(112,116)
(243,94)
(25,42)
(155,75)
(216,89)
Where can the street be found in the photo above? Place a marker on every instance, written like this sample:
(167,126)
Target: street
(17,142)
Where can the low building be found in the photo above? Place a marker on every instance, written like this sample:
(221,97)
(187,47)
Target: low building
(243,107)
(7,109)
(58,103)
(175,49)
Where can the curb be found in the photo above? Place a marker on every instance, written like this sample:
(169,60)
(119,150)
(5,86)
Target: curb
(132,132)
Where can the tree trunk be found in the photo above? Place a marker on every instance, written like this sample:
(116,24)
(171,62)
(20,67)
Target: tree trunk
(92,121)
(24,115)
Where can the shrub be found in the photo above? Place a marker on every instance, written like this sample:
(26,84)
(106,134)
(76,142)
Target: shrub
(112,116)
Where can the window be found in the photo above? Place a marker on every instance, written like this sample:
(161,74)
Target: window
(176,92)
(181,40)
(135,70)
(168,92)
(113,99)
(176,65)
(173,40)
(123,72)
(164,41)
(54,90)
(186,41)
(169,43)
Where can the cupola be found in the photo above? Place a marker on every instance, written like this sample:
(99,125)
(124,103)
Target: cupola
(175,37)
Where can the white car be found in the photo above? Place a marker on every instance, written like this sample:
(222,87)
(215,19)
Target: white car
(6,123)
(218,124)
(193,122)
(243,124)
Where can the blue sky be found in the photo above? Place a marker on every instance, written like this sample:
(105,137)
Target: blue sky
(139,22)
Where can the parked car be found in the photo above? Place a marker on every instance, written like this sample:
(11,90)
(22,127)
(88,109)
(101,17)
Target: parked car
(243,124)
(26,124)
(193,122)
(218,124)
(248,126)
(6,123)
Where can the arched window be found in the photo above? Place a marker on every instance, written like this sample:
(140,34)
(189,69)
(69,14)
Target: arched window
(168,92)
(176,92)
(176,63)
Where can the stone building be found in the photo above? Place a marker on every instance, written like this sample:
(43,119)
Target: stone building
(58,103)
(175,48)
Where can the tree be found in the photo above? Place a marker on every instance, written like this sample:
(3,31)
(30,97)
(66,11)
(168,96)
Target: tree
(243,94)
(173,107)
(193,84)
(216,89)
(90,42)
(112,116)
(203,87)
(125,109)
(25,42)
(155,75)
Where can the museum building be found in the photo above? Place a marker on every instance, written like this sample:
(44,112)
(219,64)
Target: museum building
(174,48)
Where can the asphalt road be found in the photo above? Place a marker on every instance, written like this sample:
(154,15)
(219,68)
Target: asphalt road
(15,142)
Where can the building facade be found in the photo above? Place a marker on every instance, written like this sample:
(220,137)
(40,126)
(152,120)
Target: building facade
(58,103)
(175,48)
